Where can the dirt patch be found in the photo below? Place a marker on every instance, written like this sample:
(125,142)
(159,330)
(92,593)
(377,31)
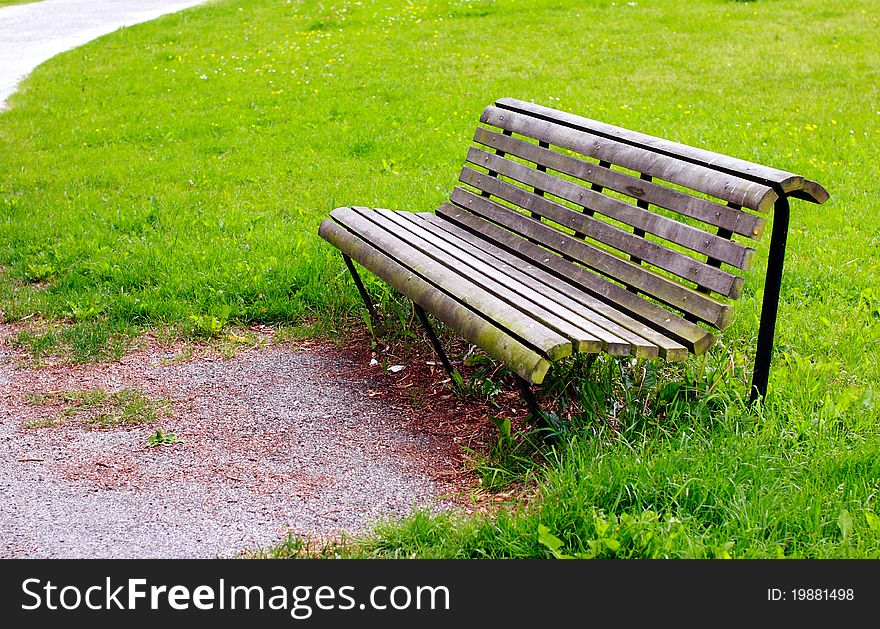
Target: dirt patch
(303,437)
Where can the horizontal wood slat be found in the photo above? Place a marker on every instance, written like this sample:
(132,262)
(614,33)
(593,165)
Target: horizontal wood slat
(614,338)
(720,185)
(786,182)
(684,266)
(695,239)
(530,331)
(530,303)
(600,176)
(691,335)
(646,341)
(812,192)
(522,360)
(649,282)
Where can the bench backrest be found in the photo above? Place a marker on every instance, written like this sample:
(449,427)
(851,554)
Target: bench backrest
(660,219)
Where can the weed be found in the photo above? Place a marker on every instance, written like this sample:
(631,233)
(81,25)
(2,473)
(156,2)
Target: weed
(210,325)
(300,547)
(161,438)
(485,382)
(89,308)
(513,459)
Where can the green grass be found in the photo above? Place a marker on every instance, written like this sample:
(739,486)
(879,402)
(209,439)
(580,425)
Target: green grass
(753,492)
(662,471)
(98,408)
(172,175)
(4,3)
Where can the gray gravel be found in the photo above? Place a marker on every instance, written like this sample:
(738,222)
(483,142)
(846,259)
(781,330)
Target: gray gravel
(32,33)
(276,440)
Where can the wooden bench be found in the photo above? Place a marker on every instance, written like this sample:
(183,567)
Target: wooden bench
(571,235)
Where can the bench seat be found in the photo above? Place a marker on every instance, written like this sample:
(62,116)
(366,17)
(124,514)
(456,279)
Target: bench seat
(510,303)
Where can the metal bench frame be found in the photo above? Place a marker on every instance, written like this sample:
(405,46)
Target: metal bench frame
(650,237)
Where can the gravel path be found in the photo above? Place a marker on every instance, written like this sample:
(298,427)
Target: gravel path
(276,439)
(32,33)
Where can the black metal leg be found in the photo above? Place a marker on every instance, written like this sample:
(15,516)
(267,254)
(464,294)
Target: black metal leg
(529,397)
(361,289)
(526,389)
(423,317)
(770,305)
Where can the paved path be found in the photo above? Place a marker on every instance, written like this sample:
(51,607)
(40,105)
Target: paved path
(32,33)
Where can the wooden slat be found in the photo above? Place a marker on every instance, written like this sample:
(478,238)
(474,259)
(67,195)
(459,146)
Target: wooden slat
(637,216)
(501,346)
(531,304)
(748,194)
(651,283)
(547,341)
(787,182)
(616,341)
(692,336)
(681,265)
(687,300)
(647,342)
(591,338)
(600,177)
(812,192)
(517,270)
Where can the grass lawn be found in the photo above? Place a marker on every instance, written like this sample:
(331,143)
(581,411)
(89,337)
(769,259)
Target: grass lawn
(172,175)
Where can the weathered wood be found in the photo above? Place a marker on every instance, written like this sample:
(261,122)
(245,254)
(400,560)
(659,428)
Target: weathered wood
(785,181)
(558,253)
(649,282)
(646,342)
(812,192)
(600,176)
(638,216)
(518,270)
(530,331)
(501,346)
(692,336)
(521,297)
(746,193)
(662,257)
(512,278)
